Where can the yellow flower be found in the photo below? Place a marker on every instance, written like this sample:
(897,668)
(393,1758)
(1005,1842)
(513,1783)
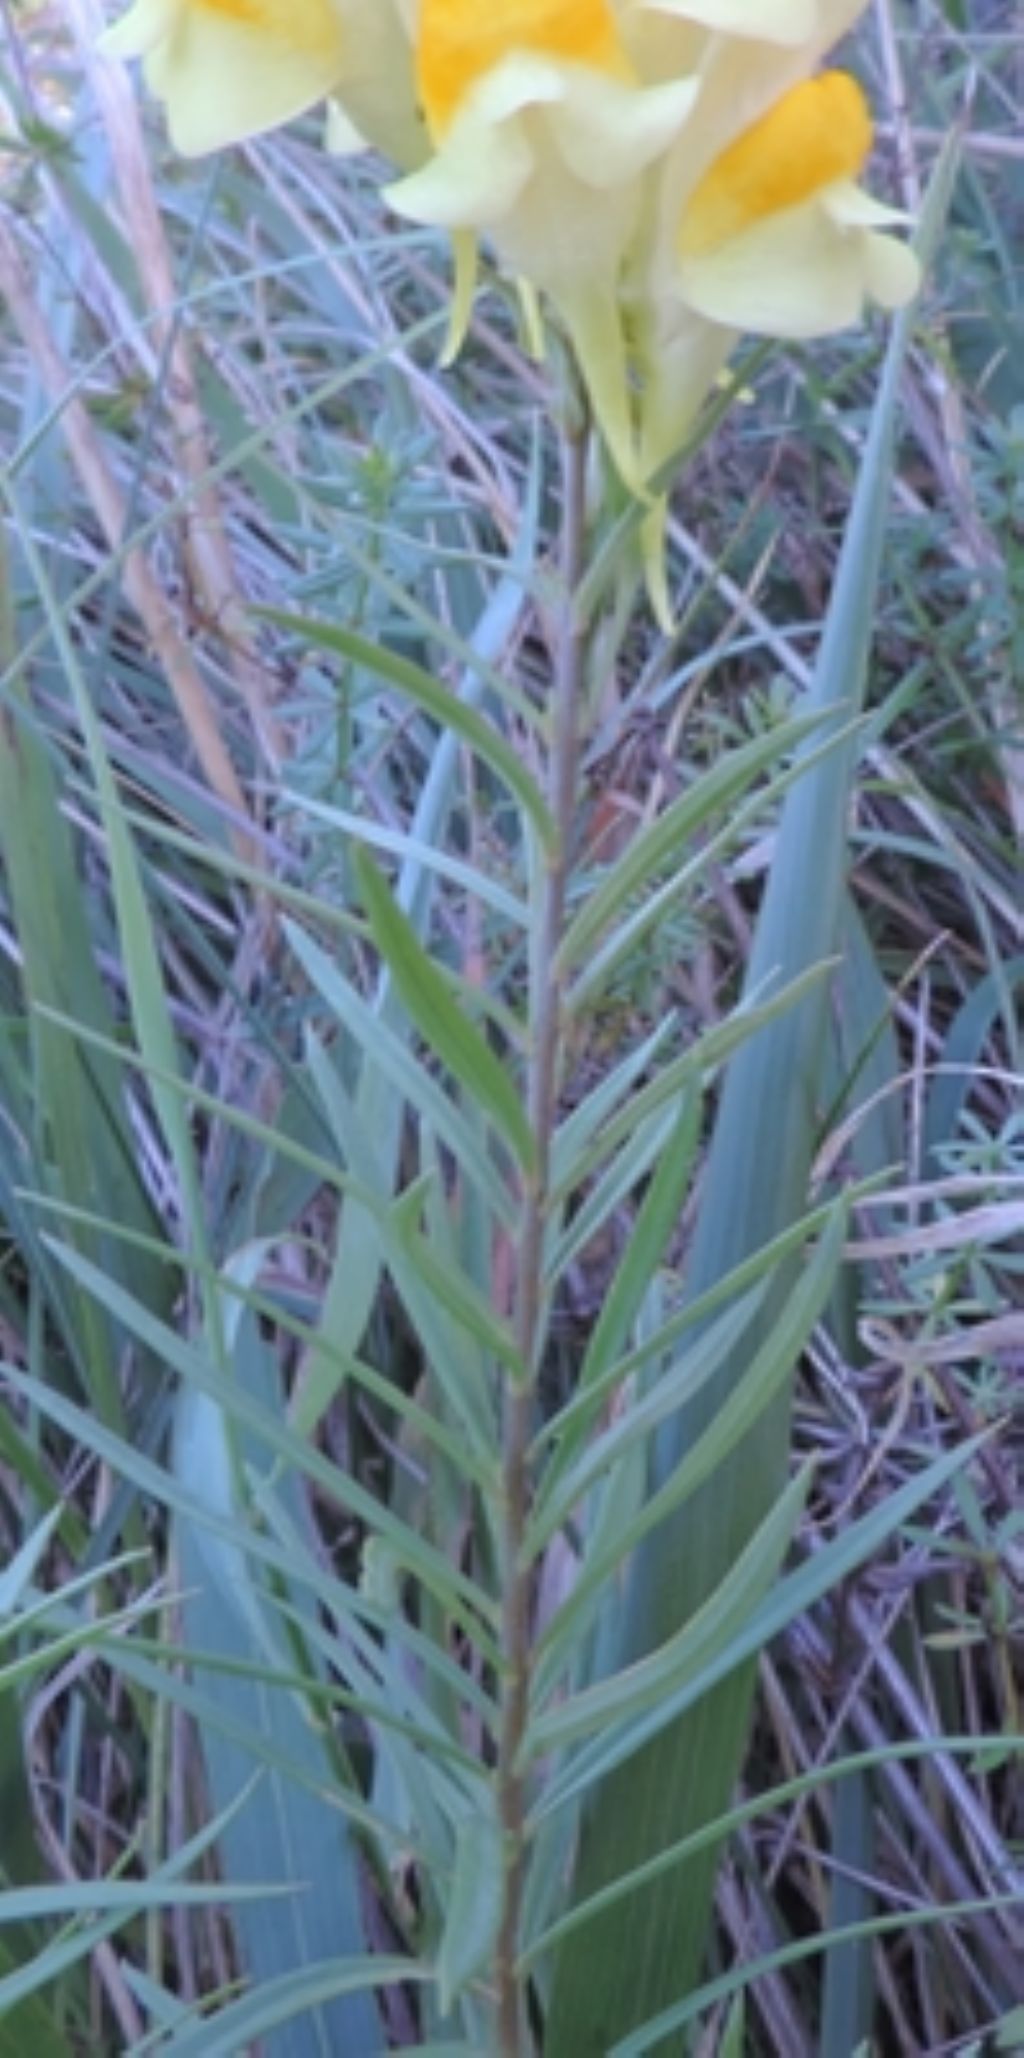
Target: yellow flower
(669,173)
(227,69)
(774,238)
(542,132)
(777,238)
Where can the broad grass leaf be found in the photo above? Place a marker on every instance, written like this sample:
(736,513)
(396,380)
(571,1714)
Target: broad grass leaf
(848,1979)
(767,1803)
(284,1832)
(30,2025)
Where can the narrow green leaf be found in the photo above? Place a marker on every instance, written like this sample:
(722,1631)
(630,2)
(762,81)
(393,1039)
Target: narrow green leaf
(655,847)
(848,1980)
(148,1002)
(1010,2033)
(380,1110)
(626,1695)
(473,1907)
(391,1065)
(437,701)
(698,1061)
(273,2002)
(127,1897)
(20,1569)
(402,844)
(671,2020)
(447,1030)
(953,1076)
(456,1590)
(611,1092)
(658,1217)
(462,1298)
(726,1429)
(73,1116)
(649,1141)
(565,1483)
(793,1594)
(734,2035)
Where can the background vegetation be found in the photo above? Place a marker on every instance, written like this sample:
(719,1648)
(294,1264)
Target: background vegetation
(255,1234)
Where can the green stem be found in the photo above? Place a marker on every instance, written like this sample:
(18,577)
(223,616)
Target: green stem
(546,1025)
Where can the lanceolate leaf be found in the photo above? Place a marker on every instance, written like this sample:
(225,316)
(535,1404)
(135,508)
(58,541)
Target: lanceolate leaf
(438,701)
(429,999)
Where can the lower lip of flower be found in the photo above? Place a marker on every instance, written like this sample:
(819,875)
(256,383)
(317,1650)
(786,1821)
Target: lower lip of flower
(306,25)
(819,131)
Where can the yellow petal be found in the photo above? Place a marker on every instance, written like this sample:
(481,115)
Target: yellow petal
(473,182)
(142,26)
(232,68)
(460,41)
(762,21)
(797,275)
(818,132)
(527,152)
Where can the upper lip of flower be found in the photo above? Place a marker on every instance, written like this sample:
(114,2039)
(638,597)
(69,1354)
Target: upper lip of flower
(459,45)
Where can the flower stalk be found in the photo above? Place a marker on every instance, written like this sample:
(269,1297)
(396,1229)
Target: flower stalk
(544,1068)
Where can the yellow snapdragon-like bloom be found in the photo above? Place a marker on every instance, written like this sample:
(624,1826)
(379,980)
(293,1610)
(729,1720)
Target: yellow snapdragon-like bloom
(670,174)
(776,238)
(542,131)
(818,132)
(227,69)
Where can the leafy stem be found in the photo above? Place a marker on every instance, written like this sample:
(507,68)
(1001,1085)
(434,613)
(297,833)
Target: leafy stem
(546,1029)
